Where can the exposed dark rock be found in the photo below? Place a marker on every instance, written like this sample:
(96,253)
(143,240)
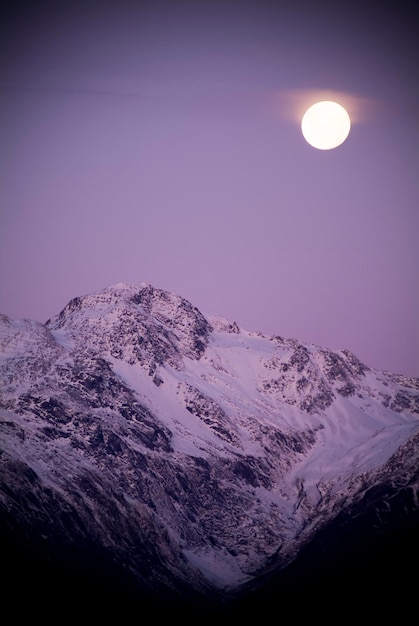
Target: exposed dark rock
(209,412)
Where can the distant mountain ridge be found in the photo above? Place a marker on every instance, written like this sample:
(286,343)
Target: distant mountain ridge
(181,455)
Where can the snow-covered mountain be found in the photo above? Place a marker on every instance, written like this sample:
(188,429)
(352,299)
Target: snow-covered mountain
(181,454)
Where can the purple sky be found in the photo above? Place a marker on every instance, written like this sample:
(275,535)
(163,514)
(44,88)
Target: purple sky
(161,142)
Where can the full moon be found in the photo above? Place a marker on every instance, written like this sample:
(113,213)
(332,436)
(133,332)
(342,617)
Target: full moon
(325,125)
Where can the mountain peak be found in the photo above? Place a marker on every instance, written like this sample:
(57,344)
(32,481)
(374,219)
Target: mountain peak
(138,323)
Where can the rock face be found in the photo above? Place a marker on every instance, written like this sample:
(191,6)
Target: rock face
(150,448)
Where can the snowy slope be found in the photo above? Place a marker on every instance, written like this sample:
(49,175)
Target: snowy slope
(227,448)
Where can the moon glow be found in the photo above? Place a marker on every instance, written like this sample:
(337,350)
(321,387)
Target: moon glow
(325,125)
